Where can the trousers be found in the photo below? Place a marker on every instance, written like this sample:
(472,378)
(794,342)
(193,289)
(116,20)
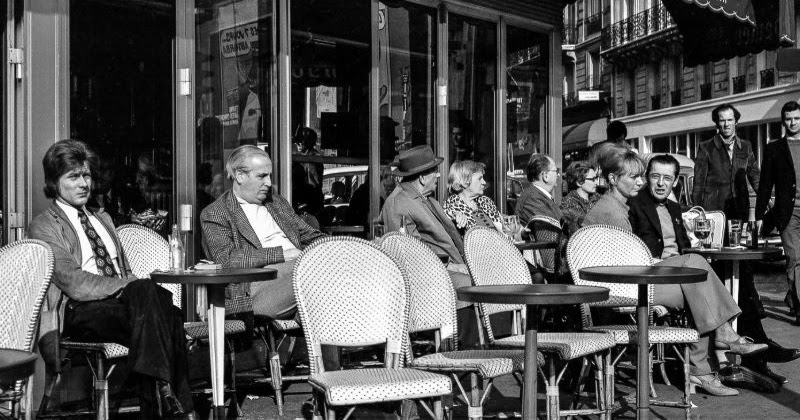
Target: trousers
(790,238)
(143,319)
(708,302)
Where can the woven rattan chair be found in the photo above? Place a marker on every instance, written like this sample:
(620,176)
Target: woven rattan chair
(433,308)
(601,245)
(492,260)
(147,251)
(25,270)
(349,293)
(545,229)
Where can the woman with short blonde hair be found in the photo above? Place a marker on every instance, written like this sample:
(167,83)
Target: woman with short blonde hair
(466,205)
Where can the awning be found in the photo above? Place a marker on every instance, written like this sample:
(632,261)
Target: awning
(585,134)
(724,29)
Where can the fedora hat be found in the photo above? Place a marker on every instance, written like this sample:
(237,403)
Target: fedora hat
(415,160)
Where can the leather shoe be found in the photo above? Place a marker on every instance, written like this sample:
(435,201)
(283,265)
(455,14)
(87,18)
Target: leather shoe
(191,415)
(776,353)
(743,346)
(168,402)
(744,377)
(711,384)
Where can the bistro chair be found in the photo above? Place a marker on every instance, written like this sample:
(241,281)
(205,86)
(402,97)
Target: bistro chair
(493,260)
(545,229)
(601,245)
(26,267)
(433,308)
(147,251)
(349,293)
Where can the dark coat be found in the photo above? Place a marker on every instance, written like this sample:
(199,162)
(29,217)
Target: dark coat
(779,173)
(721,183)
(647,226)
(533,202)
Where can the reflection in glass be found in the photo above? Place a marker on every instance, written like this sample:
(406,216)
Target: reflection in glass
(527,80)
(121,106)
(330,108)
(234,50)
(472,83)
(3,9)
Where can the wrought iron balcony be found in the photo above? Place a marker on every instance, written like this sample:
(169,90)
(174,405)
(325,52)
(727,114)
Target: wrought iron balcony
(593,24)
(636,27)
(705,91)
(569,35)
(655,102)
(739,84)
(675,97)
(767,78)
(631,107)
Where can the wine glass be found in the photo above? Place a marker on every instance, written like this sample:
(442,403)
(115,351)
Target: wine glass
(510,226)
(702,230)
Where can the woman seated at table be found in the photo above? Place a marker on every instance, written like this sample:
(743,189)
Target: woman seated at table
(582,185)
(467,205)
(711,306)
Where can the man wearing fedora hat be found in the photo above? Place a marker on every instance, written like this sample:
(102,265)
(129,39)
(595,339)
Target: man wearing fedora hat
(413,207)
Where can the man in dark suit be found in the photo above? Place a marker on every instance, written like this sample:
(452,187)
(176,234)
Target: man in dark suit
(781,161)
(658,222)
(95,295)
(249,226)
(724,165)
(537,198)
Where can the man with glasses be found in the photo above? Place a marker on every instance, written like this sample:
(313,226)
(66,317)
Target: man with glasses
(537,199)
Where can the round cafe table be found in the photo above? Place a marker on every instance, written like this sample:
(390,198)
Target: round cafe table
(532,295)
(733,256)
(214,282)
(643,276)
(16,365)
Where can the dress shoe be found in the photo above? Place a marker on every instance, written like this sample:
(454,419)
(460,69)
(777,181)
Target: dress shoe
(776,353)
(742,346)
(168,402)
(710,384)
(743,377)
(191,415)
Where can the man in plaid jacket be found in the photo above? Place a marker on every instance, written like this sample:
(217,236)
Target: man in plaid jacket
(248,226)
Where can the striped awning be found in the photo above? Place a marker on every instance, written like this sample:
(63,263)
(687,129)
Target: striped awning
(737,9)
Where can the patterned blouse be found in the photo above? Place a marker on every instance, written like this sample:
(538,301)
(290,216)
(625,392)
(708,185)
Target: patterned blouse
(574,209)
(484,215)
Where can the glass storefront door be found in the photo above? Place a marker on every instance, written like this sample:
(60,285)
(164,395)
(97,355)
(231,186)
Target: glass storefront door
(5,145)
(472,80)
(121,105)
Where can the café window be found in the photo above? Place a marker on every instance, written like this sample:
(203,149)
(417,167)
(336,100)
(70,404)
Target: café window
(472,85)
(330,65)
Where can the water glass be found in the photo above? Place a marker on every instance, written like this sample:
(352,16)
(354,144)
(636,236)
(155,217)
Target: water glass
(378,230)
(734,232)
(510,226)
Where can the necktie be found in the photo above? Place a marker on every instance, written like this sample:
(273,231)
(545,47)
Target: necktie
(105,266)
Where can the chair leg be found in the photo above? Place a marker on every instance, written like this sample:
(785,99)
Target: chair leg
(437,409)
(276,376)
(662,364)
(650,376)
(609,382)
(599,389)
(29,398)
(101,387)
(553,402)
(579,388)
(687,395)
(234,404)
(475,410)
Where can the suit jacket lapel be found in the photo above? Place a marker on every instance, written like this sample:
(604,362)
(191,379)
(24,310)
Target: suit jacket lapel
(242,223)
(783,149)
(652,213)
(282,223)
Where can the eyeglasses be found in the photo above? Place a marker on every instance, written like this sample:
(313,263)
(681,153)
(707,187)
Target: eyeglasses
(556,170)
(593,179)
(667,179)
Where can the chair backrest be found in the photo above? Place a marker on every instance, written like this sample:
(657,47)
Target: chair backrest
(604,245)
(350,293)
(147,251)
(431,294)
(26,267)
(493,259)
(546,229)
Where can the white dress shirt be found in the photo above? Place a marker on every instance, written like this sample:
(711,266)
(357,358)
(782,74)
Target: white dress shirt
(267,231)
(88,263)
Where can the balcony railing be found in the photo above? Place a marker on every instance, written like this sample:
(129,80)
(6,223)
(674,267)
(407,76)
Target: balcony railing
(631,107)
(705,91)
(655,102)
(569,35)
(739,84)
(767,78)
(636,27)
(675,97)
(593,24)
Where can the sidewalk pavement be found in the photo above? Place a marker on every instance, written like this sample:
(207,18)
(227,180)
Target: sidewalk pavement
(770,281)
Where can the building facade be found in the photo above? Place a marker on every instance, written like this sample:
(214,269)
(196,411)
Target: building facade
(164,90)
(644,83)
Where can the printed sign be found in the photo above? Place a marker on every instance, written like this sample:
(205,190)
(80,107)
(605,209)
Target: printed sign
(237,41)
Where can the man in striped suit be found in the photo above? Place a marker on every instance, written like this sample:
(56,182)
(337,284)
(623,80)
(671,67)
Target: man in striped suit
(248,226)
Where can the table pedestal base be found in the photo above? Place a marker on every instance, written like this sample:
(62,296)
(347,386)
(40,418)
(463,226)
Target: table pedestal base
(643,366)
(529,393)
